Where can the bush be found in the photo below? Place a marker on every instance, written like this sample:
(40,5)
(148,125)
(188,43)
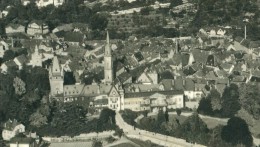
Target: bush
(178,111)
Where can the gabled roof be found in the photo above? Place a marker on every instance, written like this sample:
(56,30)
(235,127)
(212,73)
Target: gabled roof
(22,59)
(185,59)
(147,94)
(11,124)
(73,90)
(10,63)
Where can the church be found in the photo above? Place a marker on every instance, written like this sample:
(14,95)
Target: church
(112,93)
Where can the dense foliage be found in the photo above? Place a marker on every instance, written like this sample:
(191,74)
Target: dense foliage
(227,12)
(194,129)
(237,132)
(226,105)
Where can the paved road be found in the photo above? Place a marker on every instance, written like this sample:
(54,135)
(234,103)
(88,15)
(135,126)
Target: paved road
(153,137)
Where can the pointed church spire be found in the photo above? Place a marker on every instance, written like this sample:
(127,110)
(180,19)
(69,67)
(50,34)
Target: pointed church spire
(107,37)
(36,50)
(56,66)
(107,47)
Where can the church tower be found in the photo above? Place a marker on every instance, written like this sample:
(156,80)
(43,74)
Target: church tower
(56,78)
(108,67)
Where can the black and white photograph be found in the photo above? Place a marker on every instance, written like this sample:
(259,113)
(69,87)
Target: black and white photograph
(129,73)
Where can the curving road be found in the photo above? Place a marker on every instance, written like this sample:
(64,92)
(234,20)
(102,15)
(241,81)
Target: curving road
(153,137)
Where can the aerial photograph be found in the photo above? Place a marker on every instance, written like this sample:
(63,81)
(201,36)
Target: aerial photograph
(130,73)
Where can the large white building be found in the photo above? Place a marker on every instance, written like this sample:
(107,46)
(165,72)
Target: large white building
(112,93)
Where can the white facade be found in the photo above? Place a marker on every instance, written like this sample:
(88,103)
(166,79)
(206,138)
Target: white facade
(44,3)
(37,29)
(3,47)
(8,134)
(18,29)
(36,59)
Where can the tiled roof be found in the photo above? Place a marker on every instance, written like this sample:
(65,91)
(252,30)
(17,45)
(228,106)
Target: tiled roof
(90,90)
(189,85)
(130,88)
(147,94)
(73,90)
(185,59)
(10,63)
(104,88)
(22,59)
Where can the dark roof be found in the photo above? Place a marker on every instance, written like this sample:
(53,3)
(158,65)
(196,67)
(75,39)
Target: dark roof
(139,57)
(147,94)
(185,59)
(189,85)
(22,59)
(73,37)
(101,102)
(10,63)
(22,140)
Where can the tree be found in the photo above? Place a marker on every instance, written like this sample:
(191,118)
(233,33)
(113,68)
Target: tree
(106,119)
(205,107)
(8,55)
(19,86)
(230,104)
(236,132)
(99,21)
(178,111)
(194,129)
(37,119)
(160,117)
(146,10)
(119,132)
(175,3)
(215,99)
(96,143)
(249,99)
(215,139)
(166,115)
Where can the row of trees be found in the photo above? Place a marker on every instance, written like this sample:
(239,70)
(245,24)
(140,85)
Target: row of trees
(70,12)
(225,105)
(232,100)
(194,129)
